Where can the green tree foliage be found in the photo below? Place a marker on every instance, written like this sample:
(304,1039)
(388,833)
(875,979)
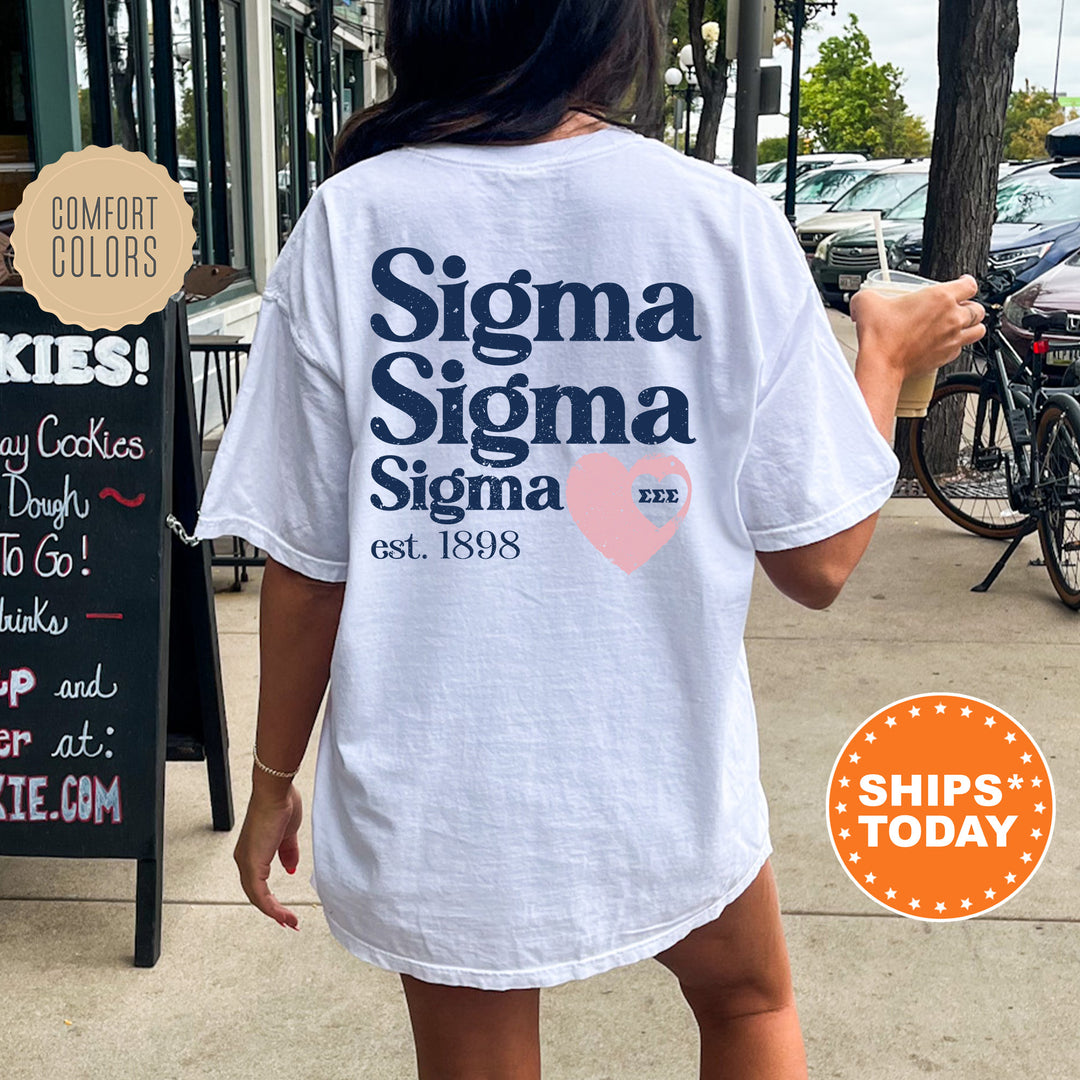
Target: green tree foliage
(852,105)
(773,149)
(1031,114)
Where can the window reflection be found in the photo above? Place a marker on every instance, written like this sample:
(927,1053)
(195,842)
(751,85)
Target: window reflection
(829,185)
(16,166)
(312,113)
(233,99)
(82,73)
(882,191)
(283,131)
(1038,199)
(123,46)
(187,147)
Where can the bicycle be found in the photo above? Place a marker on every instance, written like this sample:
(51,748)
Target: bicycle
(998,452)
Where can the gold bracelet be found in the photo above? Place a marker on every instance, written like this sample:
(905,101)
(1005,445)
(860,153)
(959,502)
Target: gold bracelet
(267,769)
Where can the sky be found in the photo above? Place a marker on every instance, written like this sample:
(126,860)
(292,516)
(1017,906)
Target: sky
(904,33)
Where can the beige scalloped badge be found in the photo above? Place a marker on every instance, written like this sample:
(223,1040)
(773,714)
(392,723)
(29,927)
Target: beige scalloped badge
(103,237)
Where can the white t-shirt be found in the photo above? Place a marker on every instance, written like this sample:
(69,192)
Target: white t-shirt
(539,756)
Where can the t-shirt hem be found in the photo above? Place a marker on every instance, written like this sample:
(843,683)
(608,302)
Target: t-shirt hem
(278,549)
(553,974)
(835,521)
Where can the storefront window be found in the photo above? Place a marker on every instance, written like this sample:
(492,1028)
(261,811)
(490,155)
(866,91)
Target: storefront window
(187,143)
(301,101)
(123,58)
(203,127)
(112,41)
(82,73)
(283,129)
(16,160)
(232,84)
(312,113)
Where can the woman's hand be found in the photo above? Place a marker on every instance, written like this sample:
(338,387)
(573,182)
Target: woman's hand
(270,828)
(922,331)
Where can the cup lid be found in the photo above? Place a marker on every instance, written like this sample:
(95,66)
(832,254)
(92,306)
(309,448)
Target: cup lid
(897,279)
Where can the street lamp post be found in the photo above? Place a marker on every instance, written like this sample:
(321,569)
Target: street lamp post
(798,11)
(673,76)
(1057,63)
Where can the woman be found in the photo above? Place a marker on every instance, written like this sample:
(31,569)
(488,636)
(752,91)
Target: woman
(527,394)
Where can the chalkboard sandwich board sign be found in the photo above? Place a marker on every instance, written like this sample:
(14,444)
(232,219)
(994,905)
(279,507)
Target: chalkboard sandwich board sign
(97,449)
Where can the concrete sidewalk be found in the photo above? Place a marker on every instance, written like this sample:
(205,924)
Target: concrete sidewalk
(881,997)
(235,996)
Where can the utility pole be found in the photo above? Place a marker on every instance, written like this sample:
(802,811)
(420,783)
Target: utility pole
(798,11)
(747,89)
(1057,63)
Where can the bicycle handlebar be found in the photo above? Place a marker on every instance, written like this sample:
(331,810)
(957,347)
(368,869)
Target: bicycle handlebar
(995,287)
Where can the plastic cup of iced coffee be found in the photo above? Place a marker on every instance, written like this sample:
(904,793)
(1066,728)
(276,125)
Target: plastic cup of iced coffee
(915,393)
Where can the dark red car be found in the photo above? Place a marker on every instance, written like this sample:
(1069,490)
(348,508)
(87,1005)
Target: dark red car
(1056,290)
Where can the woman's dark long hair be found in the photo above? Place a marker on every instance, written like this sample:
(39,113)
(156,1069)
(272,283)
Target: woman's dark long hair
(483,71)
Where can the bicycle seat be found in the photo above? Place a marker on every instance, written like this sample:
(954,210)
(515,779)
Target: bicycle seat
(1041,323)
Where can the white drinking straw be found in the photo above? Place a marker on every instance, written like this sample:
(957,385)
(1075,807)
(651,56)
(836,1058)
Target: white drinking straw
(883,256)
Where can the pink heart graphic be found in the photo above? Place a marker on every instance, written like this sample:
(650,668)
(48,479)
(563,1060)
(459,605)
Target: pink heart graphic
(599,495)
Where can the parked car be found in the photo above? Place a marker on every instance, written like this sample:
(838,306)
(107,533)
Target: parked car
(880,191)
(1064,140)
(775,179)
(1038,225)
(1038,221)
(1007,168)
(843,259)
(1056,290)
(816,191)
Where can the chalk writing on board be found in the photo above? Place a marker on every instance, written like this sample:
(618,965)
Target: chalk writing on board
(75,475)
(37,620)
(88,799)
(94,687)
(84,744)
(73,360)
(57,508)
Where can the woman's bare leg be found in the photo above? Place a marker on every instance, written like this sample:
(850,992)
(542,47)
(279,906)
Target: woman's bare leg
(462,1033)
(735,975)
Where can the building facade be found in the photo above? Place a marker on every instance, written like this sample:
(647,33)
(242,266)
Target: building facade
(239,99)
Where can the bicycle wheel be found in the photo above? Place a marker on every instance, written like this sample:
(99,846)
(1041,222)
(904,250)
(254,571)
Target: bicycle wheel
(960,451)
(1059,521)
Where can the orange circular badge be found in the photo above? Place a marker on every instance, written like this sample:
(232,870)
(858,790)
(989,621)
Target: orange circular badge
(940,807)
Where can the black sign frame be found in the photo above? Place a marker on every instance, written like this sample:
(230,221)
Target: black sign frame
(163,659)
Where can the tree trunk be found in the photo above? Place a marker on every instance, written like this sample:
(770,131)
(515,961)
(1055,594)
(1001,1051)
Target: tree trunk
(712,83)
(651,99)
(123,78)
(712,105)
(977,42)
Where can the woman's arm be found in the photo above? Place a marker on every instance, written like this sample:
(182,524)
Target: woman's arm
(298,620)
(897,338)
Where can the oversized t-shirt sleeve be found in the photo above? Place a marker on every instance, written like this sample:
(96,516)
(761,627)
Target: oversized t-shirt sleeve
(816,463)
(280,477)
